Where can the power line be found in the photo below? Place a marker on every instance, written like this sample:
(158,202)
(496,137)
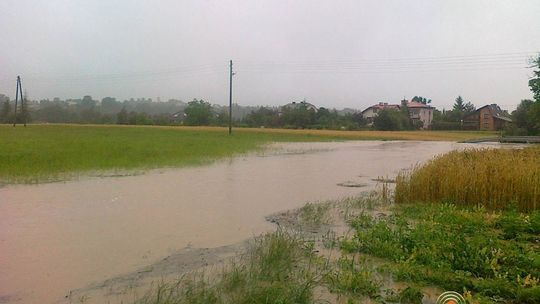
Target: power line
(494,61)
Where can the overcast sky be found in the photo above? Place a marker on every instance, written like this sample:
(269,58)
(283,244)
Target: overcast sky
(332,53)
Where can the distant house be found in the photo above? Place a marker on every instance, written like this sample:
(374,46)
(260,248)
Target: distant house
(417,112)
(420,112)
(178,117)
(370,113)
(489,118)
(302,104)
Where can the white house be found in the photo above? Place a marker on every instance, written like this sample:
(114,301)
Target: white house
(370,113)
(421,112)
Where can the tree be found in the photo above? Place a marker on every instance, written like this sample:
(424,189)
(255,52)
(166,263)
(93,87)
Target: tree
(358,119)
(24,114)
(534,83)
(109,105)
(388,120)
(299,117)
(460,110)
(87,102)
(54,113)
(5,114)
(459,105)
(262,117)
(532,109)
(405,117)
(421,99)
(122,117)
(90,115)
(469,108)
(199,113)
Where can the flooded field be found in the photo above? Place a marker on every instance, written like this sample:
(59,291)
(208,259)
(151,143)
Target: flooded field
(58,237)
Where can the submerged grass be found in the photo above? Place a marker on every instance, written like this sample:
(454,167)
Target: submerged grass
(494,178)
(41,153)
(315,214)
(278,268)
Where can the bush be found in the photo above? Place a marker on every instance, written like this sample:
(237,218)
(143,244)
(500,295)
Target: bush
(388,120)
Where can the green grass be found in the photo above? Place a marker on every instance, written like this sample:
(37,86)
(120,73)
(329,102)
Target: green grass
(492,256)
(354,278)
(41,153)
(278,268)
(315,214)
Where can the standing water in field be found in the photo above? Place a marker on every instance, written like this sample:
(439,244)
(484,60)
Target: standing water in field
(57,237)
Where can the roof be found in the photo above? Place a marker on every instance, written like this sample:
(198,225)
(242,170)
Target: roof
(381,106)
(414,104)
(179,114)
(295,105)
(496,112)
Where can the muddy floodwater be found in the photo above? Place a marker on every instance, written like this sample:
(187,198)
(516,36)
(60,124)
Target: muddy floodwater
(58,237)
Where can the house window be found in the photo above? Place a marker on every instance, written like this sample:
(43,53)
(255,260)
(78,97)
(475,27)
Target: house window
(486,115)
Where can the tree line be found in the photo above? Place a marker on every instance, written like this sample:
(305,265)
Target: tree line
(199,112)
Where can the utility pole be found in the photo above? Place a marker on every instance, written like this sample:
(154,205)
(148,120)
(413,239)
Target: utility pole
(23,109)
(16,100)
(18,91)
(230,96)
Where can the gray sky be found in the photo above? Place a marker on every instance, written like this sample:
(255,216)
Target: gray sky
(333,53)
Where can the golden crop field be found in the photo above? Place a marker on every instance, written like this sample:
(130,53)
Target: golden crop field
(494,178)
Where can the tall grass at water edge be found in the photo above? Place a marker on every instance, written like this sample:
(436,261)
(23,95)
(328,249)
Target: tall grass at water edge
(494,178)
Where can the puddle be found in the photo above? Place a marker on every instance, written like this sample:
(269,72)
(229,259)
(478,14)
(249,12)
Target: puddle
(62,236)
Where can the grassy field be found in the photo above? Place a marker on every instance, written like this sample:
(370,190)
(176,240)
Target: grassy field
(42,153)
(490,257)
(494,178)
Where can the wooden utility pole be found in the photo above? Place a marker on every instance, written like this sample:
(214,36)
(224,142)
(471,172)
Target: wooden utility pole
(16,100)
(230,96)
(23,103)
(19,91)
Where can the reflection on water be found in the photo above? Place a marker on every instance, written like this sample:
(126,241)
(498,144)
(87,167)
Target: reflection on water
(60,236)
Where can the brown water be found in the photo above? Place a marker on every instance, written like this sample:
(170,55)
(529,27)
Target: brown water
(60,236)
